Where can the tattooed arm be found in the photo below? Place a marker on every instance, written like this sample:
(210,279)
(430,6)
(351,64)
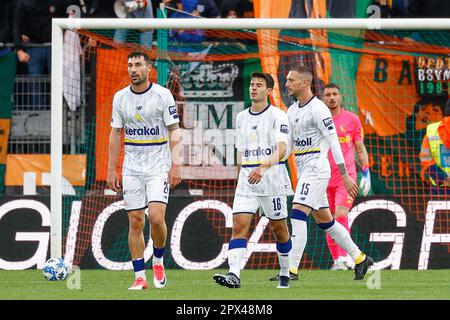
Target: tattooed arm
(175,149)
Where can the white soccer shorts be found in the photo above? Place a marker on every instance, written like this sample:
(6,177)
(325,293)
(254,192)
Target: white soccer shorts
(274,207)
(311,192)
(139,191)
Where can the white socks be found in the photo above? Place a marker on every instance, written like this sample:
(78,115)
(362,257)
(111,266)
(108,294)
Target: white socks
(299,238)
(342,238)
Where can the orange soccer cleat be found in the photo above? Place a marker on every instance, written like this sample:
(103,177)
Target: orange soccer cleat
(139,284)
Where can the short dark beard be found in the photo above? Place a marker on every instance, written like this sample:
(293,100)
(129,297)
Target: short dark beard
(139,82)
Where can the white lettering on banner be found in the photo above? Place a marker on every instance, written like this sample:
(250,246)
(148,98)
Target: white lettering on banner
(175,241)
(254,246)
(97,240)
(42,238)
(72,233)
(396,238)
(429,236)
(433,75)
(29,183)
(39,256)
(211,115)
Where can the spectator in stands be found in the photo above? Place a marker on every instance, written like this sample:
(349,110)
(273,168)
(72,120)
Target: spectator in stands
(342,9)
(198,8)
(232,13)
(94,8)
(435,154)
(136,9)
(193,9)
(171,6)
(206,8)
(6,13)
(391,9)
(32,32)
(428,9)
(244,8)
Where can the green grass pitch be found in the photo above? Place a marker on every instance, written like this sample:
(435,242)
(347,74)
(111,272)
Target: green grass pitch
(198,285)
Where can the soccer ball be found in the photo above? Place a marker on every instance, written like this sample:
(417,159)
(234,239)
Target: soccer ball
(55,269)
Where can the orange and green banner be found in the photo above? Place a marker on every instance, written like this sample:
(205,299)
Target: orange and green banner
(7,76)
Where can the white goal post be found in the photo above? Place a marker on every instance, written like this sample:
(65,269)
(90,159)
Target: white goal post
(59,25)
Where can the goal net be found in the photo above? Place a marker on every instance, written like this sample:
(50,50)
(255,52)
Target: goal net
(393,77)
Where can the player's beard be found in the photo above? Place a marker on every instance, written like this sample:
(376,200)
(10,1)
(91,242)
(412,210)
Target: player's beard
(140,80)
(332,105)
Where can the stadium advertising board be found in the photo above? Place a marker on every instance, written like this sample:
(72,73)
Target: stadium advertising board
(199,231)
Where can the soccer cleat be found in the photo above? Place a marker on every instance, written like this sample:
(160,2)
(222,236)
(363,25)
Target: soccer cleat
(339,265)
(159,276)
(230,280)
(284,282)
(361,268)
(292,277)
(139,284)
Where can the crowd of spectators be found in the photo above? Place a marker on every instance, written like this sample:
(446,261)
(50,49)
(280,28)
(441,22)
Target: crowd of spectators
(27,23)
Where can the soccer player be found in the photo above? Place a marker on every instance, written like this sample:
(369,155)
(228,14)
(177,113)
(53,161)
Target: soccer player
(349,130)
(313,133)
(146,112)
(262,141)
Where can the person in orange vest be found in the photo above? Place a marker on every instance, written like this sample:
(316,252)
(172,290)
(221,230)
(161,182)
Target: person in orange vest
(435,154)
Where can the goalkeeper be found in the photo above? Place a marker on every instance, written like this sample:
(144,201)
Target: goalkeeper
(351,138)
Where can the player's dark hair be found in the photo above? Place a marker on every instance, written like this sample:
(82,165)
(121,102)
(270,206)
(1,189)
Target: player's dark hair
(302,69)
(332,85)
(270,83)
(137,54)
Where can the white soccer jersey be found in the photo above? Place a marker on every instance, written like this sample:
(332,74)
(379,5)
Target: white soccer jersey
(257,135)
(309,125)
(145,117)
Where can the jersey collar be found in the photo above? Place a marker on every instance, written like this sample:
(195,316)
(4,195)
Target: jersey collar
(257,113)
(149,87)
(301,106)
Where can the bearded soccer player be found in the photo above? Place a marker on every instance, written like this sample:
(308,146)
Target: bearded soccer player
(350,135)
(146,112)
(262,137)
(313,133)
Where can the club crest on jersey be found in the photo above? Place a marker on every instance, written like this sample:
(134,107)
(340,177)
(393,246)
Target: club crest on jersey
(142,131)
(284,129)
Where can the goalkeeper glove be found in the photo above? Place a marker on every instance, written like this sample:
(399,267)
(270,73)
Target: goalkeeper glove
(365,183)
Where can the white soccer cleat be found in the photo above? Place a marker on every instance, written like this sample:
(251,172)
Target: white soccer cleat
(159,276)
(339,265)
